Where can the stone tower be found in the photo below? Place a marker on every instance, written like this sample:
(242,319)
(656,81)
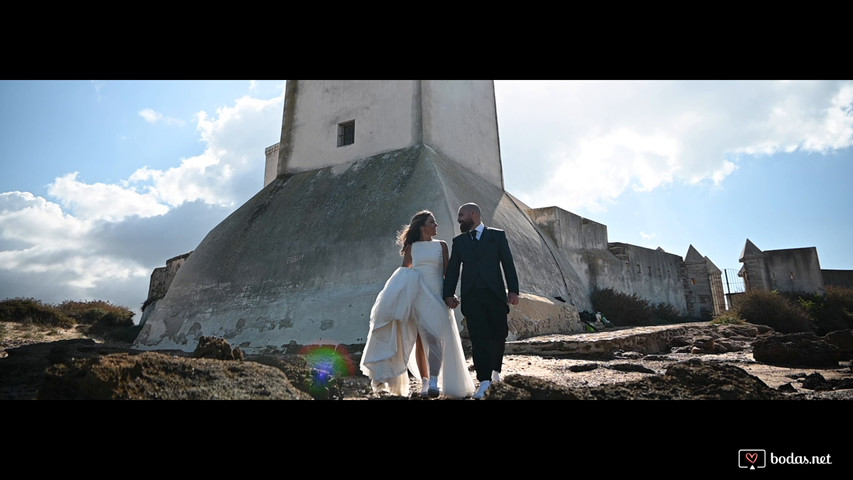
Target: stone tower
(302,261)
(331,122)
(704,286)
(753,270)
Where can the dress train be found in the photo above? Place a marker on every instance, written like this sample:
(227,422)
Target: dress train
(405,304)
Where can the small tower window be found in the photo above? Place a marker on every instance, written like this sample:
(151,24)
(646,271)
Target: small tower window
(346,133)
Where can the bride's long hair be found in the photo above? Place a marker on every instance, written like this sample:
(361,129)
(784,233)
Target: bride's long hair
(411,233)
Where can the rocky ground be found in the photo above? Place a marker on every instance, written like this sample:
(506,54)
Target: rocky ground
(678,362)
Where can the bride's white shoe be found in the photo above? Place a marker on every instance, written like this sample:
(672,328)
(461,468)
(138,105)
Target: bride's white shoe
(433,387)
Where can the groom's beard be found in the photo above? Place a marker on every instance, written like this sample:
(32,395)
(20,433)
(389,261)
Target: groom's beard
(464,227)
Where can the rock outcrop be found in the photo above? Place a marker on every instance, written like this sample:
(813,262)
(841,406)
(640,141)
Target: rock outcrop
(688,361)
(796,350)
(690,380)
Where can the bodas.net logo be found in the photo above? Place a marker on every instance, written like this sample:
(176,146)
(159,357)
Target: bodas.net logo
(751,458)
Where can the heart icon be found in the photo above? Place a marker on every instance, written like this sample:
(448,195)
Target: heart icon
(752,457)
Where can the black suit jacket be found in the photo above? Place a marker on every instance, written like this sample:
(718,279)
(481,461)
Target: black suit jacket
(491,256)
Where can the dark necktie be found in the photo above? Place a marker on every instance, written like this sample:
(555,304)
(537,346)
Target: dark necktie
(473,236)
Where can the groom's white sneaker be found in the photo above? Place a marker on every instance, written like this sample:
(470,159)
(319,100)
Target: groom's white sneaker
(482,389)
(496,376)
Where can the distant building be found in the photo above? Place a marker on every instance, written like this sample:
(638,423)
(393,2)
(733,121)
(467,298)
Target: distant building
(792,270)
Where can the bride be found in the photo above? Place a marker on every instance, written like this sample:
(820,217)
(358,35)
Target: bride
(410,314)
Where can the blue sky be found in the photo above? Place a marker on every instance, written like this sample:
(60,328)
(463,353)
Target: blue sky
(102,181)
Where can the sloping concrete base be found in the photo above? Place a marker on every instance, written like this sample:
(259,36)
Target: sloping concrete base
(535,316)
(302,261)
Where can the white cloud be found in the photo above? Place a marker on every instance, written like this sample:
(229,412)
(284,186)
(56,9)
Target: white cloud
(153,116)
(612,136)
(101,201)
(197,178)
(150,115)
(51,242)
(235,140)
(32,220)
(94,239)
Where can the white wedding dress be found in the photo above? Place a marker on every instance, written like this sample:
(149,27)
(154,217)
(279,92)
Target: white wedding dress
(411,300)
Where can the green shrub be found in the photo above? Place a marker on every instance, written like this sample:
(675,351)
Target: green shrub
(622,309)
(666,314)
(30,310)
(97,313)
(837,313)
(830,311)
(100,318)
(122,334)
(762,307)
(103,319)
(728,318)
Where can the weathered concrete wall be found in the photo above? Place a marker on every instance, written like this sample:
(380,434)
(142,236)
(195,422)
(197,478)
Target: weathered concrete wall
(794,270)
(654,275)
(583,246)
(838,278)
(271,164)
(537,315)
(303,260)
(753,271)
(454,112)
(387,117)
(570,231)
(162,277)
(158,286)
(390,115)
(786,270)
(703,287)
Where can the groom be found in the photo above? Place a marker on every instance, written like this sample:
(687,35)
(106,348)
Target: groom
(482,252)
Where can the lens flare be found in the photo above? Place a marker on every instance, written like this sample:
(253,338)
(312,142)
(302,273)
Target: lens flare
(328,361)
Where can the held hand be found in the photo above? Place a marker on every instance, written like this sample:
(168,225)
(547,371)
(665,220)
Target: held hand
(451,302)
(512,299)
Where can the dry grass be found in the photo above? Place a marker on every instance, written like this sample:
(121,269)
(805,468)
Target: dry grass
(16,334)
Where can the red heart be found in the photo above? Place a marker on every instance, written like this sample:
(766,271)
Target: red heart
(752,457)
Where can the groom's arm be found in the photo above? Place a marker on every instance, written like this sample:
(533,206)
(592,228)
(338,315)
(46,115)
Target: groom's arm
(451,275)
(508,265)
